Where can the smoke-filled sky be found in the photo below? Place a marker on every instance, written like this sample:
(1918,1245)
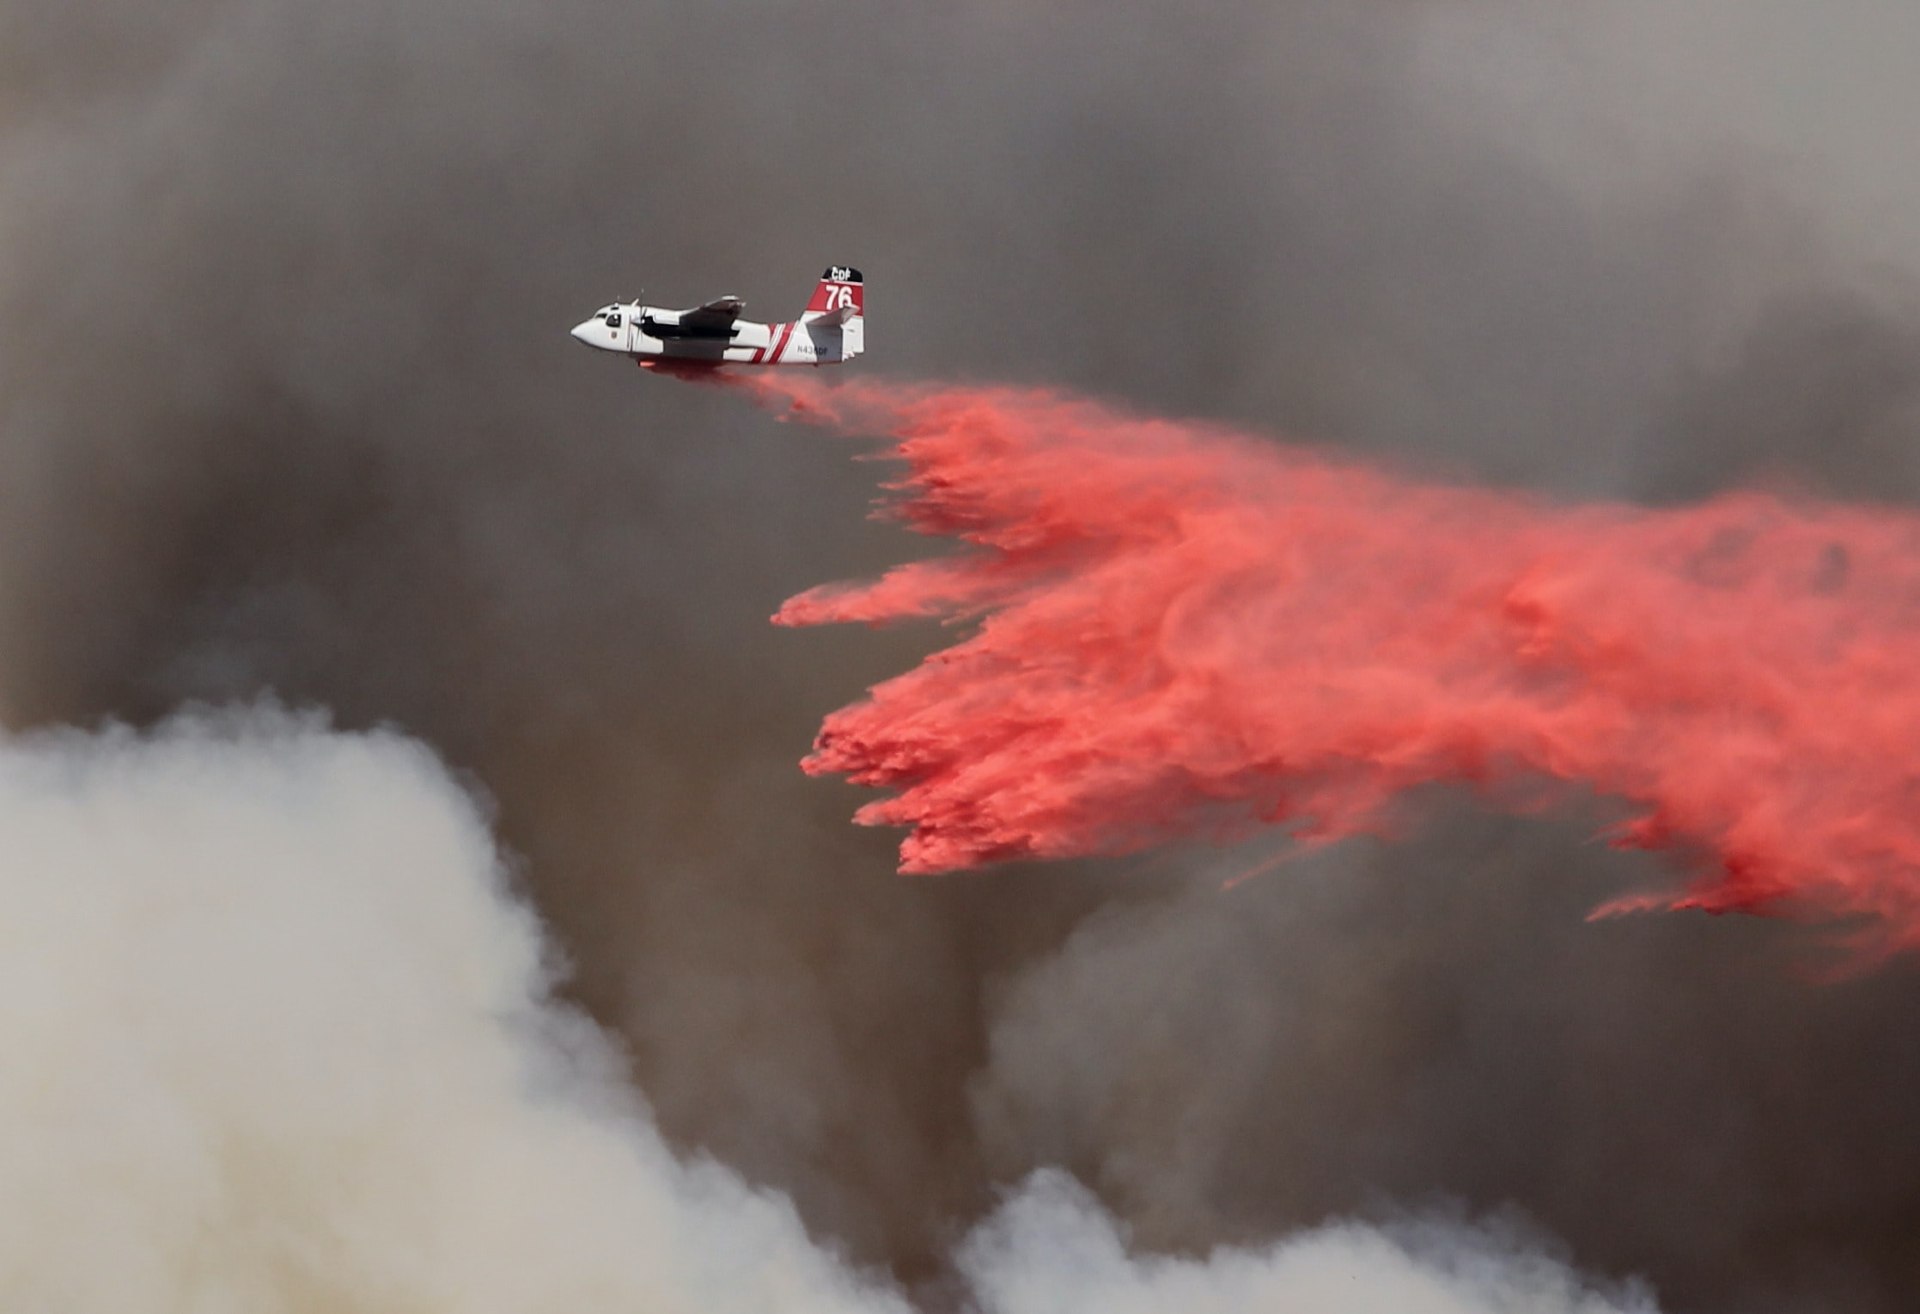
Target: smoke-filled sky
(288,409)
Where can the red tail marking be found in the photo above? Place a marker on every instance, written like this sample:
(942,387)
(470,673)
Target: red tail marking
(832,296)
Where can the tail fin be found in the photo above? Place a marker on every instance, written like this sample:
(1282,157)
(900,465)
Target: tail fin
(842,295)
(840,288)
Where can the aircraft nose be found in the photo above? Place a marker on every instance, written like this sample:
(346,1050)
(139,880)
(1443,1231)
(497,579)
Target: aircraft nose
(583,331)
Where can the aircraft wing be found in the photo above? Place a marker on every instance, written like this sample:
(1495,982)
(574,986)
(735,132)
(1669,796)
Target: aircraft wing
(716,317)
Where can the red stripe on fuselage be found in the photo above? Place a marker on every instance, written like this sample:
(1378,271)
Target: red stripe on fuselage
(780,343)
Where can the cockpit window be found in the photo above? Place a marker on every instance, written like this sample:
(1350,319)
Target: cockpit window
(613,320)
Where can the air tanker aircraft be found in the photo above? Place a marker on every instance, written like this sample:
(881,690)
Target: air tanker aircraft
(832,330)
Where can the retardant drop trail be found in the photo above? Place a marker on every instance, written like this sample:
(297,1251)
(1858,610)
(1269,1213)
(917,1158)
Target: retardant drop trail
(1182,631)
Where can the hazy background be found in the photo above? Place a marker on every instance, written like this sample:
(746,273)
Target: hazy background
(287,405)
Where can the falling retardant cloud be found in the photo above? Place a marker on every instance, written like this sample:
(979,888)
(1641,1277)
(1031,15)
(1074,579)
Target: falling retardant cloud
(1183,630)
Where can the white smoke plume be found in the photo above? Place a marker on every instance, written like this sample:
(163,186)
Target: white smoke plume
(279,1037)
(1052,1250)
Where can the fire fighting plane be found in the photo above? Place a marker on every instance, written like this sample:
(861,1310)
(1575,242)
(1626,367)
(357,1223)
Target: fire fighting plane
(833,329)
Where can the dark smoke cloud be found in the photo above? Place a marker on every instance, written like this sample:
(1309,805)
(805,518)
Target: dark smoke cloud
(286,403)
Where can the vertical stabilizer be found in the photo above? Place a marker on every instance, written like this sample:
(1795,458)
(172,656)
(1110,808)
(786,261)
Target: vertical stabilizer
(842,295)
(840,288)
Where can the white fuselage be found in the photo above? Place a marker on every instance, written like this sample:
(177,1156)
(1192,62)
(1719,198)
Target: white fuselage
(651,333)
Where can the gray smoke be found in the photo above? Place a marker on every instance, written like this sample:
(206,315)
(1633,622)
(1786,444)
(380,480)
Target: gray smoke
(287,404)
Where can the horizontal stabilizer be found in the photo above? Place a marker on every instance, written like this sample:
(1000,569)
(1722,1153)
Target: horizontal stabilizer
(831,318)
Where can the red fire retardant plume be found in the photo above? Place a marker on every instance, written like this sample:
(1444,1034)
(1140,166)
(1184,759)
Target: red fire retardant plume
(1175,630)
